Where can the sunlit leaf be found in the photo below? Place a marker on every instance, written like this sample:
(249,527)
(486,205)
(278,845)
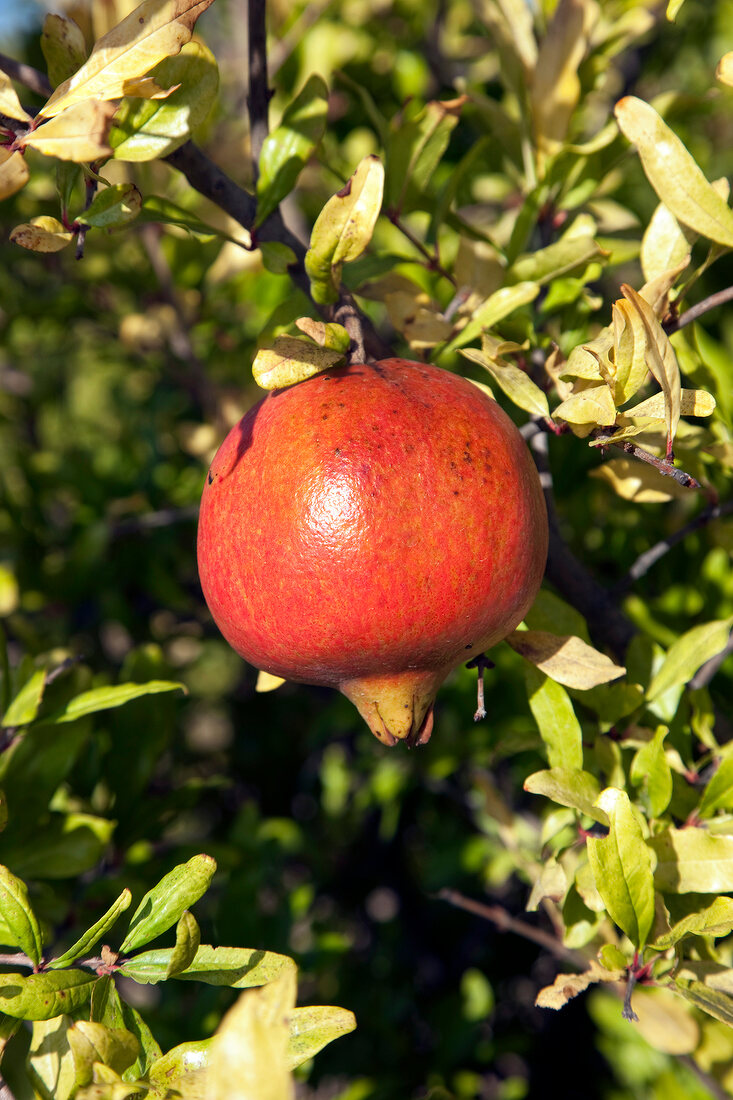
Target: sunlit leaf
(112,207)
(567,986)
(673,173)
(42,234)
(629,352)
(106,698)
(326,335)
(622,869)
(10,105)
(556,260)
(692,403)
(559,727)
(718,794)
(188,941)
(45,995)
(311,1029)
(344,228)
(712,1001)
(638,482)
(665,244)
(650,770)
(13,173)
(80,133)
(661,360)
(92,1043)
(146,128)
(24,707)
(665,1021)
(555,88)
(568,660)
(235,967)
(163,906)
(594,405)
(267,682)
(497,306)
(18,917)
(570,787)
(515,383)
(94,934)
(154,30)
(724,71)
(287,149)
(714,920)
(50,1062)
(63,45)
(693,860)
(688,653)
(291,360)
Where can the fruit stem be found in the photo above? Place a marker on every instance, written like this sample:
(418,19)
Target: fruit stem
(481,663)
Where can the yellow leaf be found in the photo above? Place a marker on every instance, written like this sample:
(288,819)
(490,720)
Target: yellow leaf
(249,1056)
(13,173)
(145,87)
(79,134)
(638,482)
(656,291)
(515,383)
(591,406)
(418,319)
(584,359)
(661,360)
(673,173)
(555,84)
(42,234)
(692,403)
(665,1021)
(478,270)
(724,71)
(291,360)
(10,105)
(665,244)
(154,30)
(267,682)
(565,658)
(629,351)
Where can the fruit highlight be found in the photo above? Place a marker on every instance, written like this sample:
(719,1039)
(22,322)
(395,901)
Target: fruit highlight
(370,529)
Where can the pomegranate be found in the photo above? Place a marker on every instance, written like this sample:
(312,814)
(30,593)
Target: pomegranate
(369,529)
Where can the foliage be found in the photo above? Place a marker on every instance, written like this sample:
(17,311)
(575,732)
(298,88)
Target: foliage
(538,198)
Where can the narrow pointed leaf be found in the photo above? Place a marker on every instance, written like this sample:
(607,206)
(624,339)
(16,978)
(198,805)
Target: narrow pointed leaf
(287,149)
(94,934)
(555,88)
(18,917)
(661,360)
(107,698)
(515,383)
(188,940)
(673,173)
(154,30)
(556,260)
(236,967)
(162,906)
(715,920)
(622,869)
(714,1002)
(24,707)
(311,1029)
(497,306)
(688,653)
(629,352)
(559,727)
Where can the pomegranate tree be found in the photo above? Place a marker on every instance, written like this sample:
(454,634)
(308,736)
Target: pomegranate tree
(370,529)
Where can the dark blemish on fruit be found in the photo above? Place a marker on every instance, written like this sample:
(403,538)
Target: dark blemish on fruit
(325,416)
(470,645)
(467,458)
(337,451)
(210,478)
(456,493)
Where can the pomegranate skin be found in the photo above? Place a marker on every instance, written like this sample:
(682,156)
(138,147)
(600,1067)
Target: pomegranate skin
(369,529)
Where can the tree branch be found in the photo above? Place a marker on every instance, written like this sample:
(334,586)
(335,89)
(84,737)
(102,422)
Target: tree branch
(697,311)
(258,98)
(26,75)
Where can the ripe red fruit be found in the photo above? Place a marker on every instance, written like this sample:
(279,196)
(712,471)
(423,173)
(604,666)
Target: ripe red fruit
(370,529)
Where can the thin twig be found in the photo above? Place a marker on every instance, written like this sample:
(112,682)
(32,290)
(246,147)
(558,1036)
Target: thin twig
(431,261)
(650,557)
(698,310)
(705,673)
(26,75)
(17,958)
(663,467)
(505,922)
(258,98)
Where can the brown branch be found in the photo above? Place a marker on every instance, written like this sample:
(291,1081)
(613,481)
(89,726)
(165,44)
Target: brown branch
(705,673)
(697,311)
(258,98)
(431,262)
(26,75)
(505,922)
(666,469)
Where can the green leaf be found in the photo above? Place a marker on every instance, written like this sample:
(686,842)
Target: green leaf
(716,920)
(106,698)
(43,996)
(92,1043)
(18,917)
(416,147)
(63,46)
(311,1029)
(162,211)
(693,860)
(344,228)
(276,257)
(688,654)
(109,1009)
(72,844)
(515,383)
(569,787)
(622,868)
(292,359)
(94,934)
(555,260)
(713,1001)
(113,207)
(188,941)
(651,771)
(147,129)
(163,906)
(673,173)
(236,967)
(718,795)
(553,712)
(50,1062)
(24,707)
(497,306)
(287,149)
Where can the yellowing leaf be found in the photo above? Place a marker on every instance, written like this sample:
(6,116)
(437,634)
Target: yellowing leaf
(291,360)
(63,47)
(583,361)
(79,134)
(724,71)
(10,105)
(673,173)
(637,481)
(661,360)
(629,351)
(154,30)
(267,682)
(515,383)
(497,306)
(692,403)
(566,659)
(665,1021)
(42,234)
(594,405)
(13,173)
(344,228)
(313,1027)
(567,986)
(569,787)
(325,335)
(555,85)
(665,244)
(417,318)
(692,860)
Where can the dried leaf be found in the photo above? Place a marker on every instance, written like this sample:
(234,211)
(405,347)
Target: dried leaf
(43,234)
(10,105)
(80,134)
(154,30)
(568,660)
(291,360)
(673,173)
(593,405)
(567,986)
(63,47)
(661,360)
(13,173)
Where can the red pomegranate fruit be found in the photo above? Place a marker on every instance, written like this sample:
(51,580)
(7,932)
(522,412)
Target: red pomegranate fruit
(370,529)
